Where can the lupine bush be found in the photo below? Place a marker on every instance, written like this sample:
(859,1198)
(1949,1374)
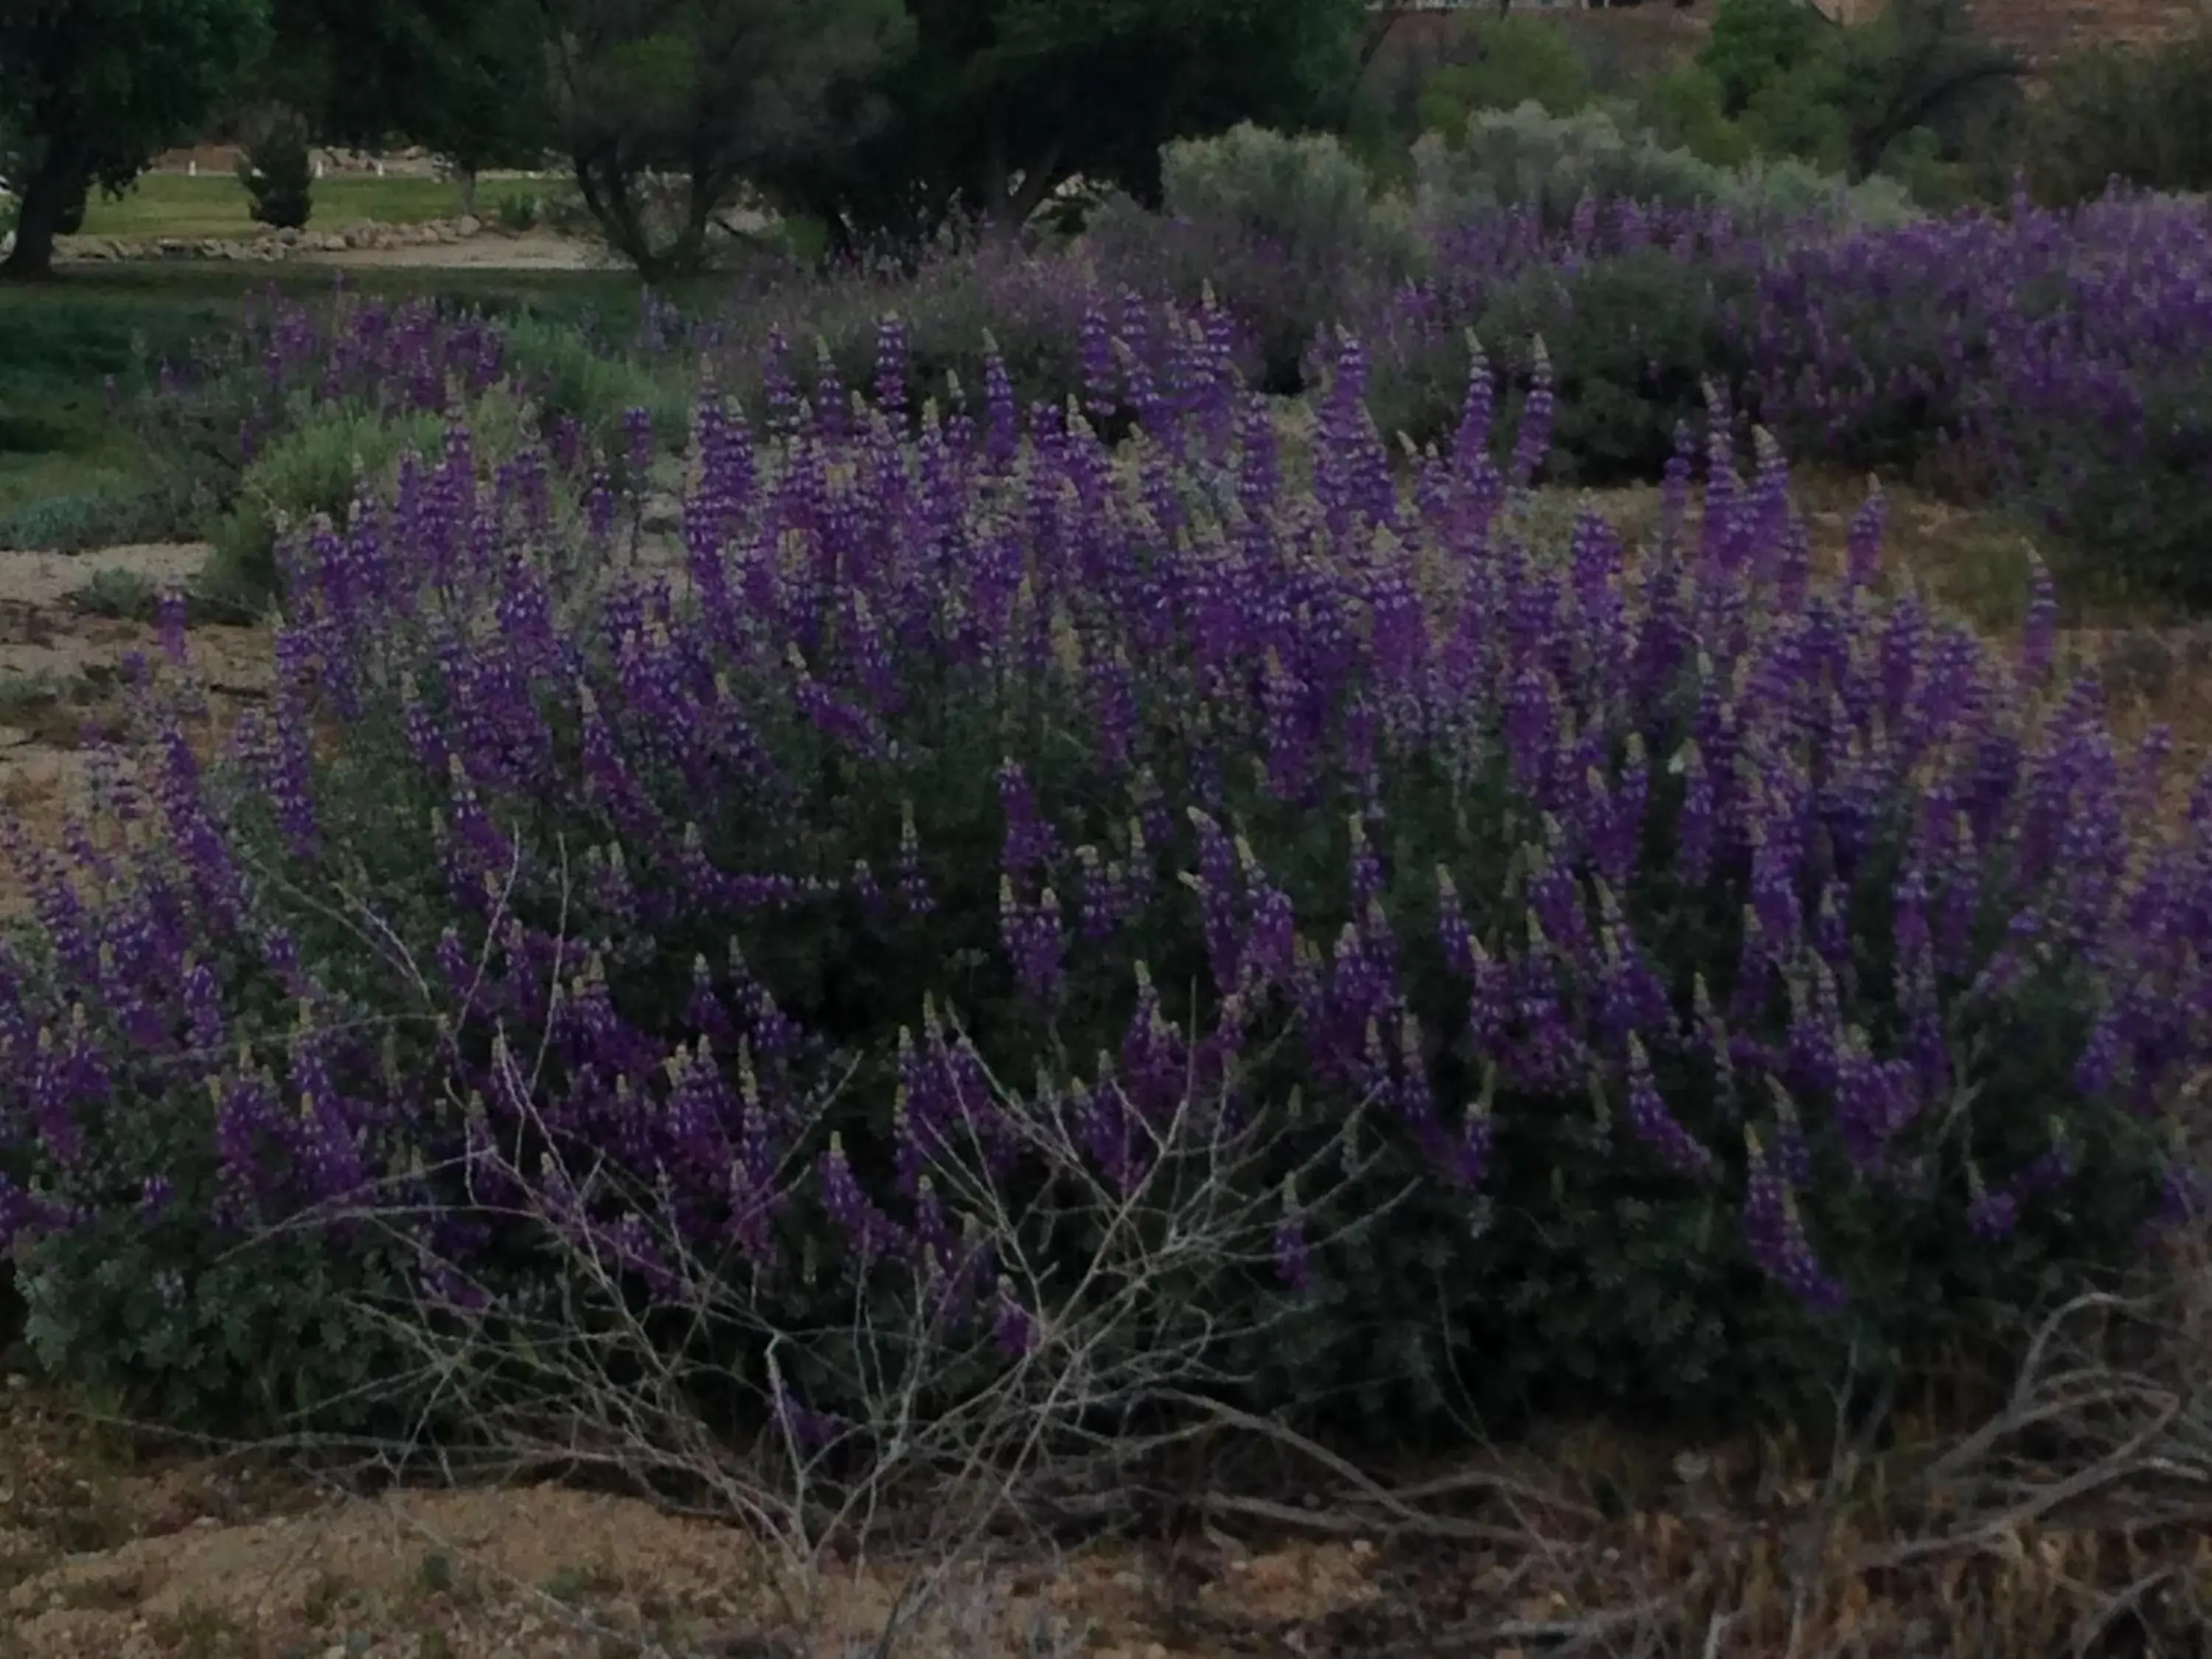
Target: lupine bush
(960,309)
(1652,973)
(2057,357)
(209,415)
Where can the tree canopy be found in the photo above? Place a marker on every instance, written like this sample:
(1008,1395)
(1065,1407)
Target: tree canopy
(664,106)
(465,78)
(91,90)
(1001,101)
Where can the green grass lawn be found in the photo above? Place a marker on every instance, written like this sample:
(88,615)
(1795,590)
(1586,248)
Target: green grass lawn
(215,204)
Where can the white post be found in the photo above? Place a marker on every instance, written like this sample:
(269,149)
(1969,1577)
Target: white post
(192,169)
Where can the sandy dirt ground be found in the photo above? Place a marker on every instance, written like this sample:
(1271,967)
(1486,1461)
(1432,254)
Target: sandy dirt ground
(537,250)
(104,1555)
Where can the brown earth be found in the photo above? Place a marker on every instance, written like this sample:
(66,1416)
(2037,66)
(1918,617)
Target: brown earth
(61,672)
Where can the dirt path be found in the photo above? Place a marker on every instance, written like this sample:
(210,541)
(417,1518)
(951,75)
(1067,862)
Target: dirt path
(537,250)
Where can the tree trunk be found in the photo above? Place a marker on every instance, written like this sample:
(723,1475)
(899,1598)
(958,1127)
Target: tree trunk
(466,178)
(47,195)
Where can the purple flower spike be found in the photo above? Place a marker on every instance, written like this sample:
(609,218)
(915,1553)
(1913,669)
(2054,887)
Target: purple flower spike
(1776,1234)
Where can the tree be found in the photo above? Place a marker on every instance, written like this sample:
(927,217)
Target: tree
(1913,66)
(666,107)
(2143,115)
(93,89)
(1513,60)
(467,79)
(1003,101)
(1840,96)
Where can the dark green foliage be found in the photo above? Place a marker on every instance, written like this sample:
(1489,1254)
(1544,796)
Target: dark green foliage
(1756,42)
(93,89)
(2134,505)
(1002,101)
(665,107)
(1800,84)
(2141,115)
(279,174)
(1509,60)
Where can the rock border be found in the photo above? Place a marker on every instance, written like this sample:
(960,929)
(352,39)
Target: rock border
(273,246)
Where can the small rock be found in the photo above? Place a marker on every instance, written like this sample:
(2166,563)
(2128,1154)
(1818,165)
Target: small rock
(14,737)
(289,235)
(468,225)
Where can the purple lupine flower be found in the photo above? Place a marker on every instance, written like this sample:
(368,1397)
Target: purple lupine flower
(1775,1233)
(1657,1126)
(1992,1214)
(1030,842)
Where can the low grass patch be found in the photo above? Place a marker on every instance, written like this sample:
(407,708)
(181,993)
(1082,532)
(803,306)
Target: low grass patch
(215,204)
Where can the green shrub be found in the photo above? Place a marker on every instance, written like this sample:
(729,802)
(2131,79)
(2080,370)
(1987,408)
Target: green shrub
(319,467)
(1682,110)
(125,595)
(1632,340)
(1791,192)
(279,174)
(566,373)
(517,211)
(102,518)
(1287,232)
(1526,157)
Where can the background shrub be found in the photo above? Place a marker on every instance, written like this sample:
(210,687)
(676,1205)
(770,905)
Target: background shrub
(1683,109)
(2141,115)
(1525,156)
(1507,61)
(1633,338)
(322,465)
(279,175)
(568,374)
(100,518)
(1289,232)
